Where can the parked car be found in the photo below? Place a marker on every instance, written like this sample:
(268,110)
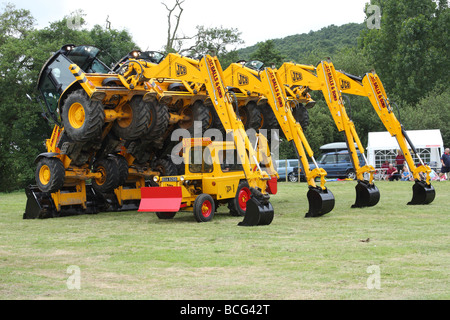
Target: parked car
(336,164)
(280,166)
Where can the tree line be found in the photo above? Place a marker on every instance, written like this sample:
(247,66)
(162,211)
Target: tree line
(410,52)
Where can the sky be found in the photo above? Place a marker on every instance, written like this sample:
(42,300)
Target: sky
(146,20)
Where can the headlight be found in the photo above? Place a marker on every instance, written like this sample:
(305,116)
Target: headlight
(181,178)
(155,178)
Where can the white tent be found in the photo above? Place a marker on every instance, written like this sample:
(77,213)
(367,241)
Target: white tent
(382,146)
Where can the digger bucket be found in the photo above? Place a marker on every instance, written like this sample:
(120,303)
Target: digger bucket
(40,204)
(367,195)
(422,193)
(259,211)
(160,199)
(320,202)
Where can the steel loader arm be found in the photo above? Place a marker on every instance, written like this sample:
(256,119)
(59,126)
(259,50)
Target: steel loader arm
(370,86)
(208,72)
(266,84)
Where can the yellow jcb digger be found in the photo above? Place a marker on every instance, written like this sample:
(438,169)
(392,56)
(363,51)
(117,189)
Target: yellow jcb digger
(370,86)
(197,75)
(299,80)
(212,176)
(264,85)
(94,116)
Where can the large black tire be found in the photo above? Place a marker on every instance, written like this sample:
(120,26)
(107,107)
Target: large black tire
(110,175)
(122,166)
(251,116)
(50,174)
(204,208)
(237,205)
(159,123)
(165,167)
(301,115)
(166,215)
(82,118)
(136,126)
(204,114)
(270,122)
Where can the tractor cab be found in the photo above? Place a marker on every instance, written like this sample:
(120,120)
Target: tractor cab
(154,57)
(55,76)
(212,176)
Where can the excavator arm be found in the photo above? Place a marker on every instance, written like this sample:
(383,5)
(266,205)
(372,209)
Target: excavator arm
(266,84)
(208,72)
(370,86)
(302,78)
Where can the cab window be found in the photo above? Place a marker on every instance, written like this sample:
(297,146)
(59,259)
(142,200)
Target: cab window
(56,79)
(200,160)
(229,161)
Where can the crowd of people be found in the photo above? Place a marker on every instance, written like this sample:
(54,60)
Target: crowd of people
(400,170)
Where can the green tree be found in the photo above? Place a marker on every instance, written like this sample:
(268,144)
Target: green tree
(23,51)
(18,147)
(410,51)
(215,41)
(268,53)
(428,113)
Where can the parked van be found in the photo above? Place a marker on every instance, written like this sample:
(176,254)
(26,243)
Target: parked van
(336,164)
(280,167)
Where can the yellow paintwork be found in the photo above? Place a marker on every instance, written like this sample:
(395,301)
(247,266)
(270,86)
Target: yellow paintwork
(267,84)
(197,74)
(372,88)
(324,78)
(217,183)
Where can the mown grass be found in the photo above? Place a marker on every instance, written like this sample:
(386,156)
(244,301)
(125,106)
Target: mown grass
(132,255)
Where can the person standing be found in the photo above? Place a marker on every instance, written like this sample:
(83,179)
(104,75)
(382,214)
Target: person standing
(445,160)
(399,160)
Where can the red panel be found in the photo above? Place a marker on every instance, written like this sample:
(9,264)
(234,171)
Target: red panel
(160,199)
(272,185)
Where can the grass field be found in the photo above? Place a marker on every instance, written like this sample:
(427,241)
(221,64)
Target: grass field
(137,256)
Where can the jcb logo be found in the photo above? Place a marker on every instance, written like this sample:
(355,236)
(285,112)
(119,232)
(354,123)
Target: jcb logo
(296,76)
(181,70)
(345,85)
(242,80)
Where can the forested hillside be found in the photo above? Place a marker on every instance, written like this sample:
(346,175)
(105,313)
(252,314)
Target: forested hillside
(327,41)
(410,53)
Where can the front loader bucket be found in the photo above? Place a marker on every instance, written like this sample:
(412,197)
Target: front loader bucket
(367,195)
(422,193)
(160,199)
(259,210)
(40,205)
(320,202)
